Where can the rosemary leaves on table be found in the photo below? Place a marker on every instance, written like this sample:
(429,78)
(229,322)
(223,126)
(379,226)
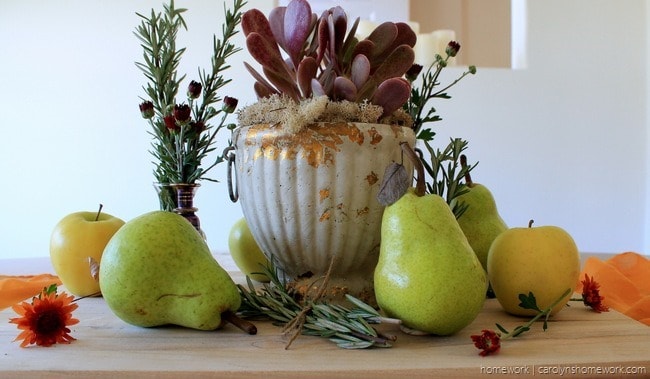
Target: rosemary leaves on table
(349,328)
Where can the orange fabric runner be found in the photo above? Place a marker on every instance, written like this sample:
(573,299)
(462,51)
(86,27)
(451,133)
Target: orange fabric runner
(14,289)
(624,283)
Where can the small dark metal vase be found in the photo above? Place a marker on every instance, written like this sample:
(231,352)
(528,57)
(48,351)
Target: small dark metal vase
(185,203)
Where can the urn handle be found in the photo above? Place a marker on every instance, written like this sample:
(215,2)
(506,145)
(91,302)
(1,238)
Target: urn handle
(233,191)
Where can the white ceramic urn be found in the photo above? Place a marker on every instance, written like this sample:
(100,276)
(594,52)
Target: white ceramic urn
(310,199)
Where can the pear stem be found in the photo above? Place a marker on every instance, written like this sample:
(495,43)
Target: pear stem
(420,185)
(99,211)
(242,324)
(463,164)
(530,223)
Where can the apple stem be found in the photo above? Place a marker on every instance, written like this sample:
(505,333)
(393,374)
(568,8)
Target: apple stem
(242,324)
(530,223)
(420,185)
(463,164)
(99,211)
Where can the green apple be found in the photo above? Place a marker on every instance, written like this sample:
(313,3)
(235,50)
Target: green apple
(246,252)
(543,260)
(76,238)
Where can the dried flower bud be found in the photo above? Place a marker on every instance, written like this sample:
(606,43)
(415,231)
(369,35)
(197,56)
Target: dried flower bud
(472,70)
(146,109)
(170,122)
(194,90)
(198,127)
(229,104)
(182,113)
(413,72)
(452,48)
(441,61)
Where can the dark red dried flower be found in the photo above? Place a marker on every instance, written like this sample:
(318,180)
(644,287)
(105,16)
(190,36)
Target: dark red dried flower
(229,104)
(452,48)
(182,113)
(413,72)
(194,90)
(146,109)
(591,295)
(488,341)
(198,127)
(170,122)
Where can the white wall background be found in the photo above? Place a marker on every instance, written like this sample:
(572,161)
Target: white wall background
(563,141)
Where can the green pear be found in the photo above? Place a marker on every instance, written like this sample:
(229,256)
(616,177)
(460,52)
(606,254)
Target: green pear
(427,275)
(481,221)
(158,270)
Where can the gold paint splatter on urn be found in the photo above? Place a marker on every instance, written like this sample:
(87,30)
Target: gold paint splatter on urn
(316,143)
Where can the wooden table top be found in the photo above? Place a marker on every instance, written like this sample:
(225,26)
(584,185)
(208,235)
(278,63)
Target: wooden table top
(578,343)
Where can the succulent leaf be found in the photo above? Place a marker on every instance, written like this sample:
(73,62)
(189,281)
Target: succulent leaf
(284,84)
(340,26)
(322,37)
(360,70)
(264,53)
(405,35)
(260,80)
(396,64)
(344,89)
(307,69)
(391,94)
(254,21)
(276,23)
(297,27)
(263,91)
(317,88)
(383,37)
(364,47)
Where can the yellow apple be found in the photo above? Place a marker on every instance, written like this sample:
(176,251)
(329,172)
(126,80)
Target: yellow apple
(76,238)
(543,260)
(246,253)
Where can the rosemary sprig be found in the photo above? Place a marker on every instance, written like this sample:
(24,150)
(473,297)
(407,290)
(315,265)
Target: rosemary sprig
(348,328)
(179,154)
(446,174)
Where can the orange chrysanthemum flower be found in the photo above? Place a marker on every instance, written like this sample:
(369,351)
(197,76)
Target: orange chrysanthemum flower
(45,320)
(591,295)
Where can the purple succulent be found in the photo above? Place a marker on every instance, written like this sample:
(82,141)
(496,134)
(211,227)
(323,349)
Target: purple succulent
(323,57)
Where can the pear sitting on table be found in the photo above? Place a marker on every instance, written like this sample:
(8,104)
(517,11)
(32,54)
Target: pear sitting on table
(481,221)
(158,270)
(427,274)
